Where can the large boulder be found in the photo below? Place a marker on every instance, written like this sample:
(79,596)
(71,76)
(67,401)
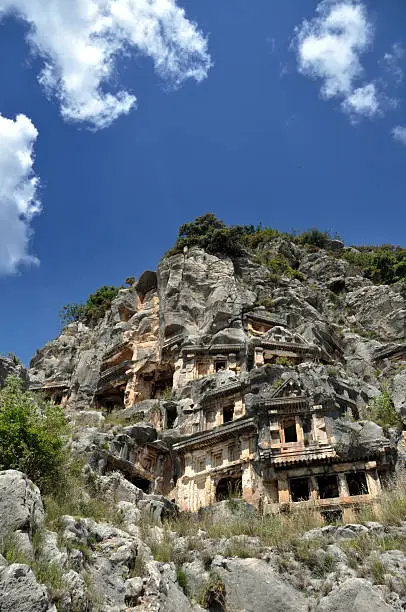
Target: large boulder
(21,506)
(357,439)
(354,594)
(252,585)
(20,591)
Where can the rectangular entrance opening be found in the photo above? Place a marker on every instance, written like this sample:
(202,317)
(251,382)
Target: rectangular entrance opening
(289,429)
(299,489)
(357,483)
(228,413)
(220,364)
(328,486)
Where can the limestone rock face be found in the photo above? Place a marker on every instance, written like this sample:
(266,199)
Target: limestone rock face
(250,584)
(19,590)
(354,594)
(200,294)
(399,393)
(9,367)
(357,439)
(20,504)
(379,309)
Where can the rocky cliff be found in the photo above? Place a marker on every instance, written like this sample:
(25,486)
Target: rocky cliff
(281,323)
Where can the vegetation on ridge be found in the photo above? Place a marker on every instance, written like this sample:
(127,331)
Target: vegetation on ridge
(92,310)
(385,264)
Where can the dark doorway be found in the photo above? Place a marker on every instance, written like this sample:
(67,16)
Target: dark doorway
(299,489)
(141,483)
(328,486)
(228,413)
(171,416)
(290,432)
(357,483)
(229,487)
(220,364)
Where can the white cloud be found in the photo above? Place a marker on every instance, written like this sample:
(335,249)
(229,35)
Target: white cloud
(329,47)
(391,60)
(399,134)
(18,192)
(363,101)
(80,41)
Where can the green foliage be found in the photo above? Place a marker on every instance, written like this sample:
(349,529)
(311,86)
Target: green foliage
(182,580)
(283,361)
(130,280)
(266,302)
(32,435)
(314,237)
(94,309)
(212,235)
(385,264)
(277,265)
(71,313)
(261,236)
(16,360)
(79,496)
(99,302)
(382,411)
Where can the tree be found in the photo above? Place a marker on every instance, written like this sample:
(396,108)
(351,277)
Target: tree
(71,313)
(212,235)
(32,435)
(94,309)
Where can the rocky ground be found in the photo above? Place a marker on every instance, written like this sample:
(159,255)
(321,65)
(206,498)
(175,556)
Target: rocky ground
(151,560)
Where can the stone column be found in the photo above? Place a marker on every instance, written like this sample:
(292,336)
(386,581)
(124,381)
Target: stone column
(259,356)
(373,482)
(238,408)
(247,483)
(314,489)
(299,429)
(283,489)
(343,486)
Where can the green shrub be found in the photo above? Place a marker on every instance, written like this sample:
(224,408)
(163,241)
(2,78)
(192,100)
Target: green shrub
(382,411)
(283,361)
(314,237)
(182,579)
(32,435)
(212,235)
(277,265)
(97,304)
(385,264)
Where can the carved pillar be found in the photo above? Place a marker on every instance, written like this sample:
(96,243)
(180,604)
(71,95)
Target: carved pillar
(314,489)
(259,356)
(283,489)
(343,486)
(238,408)
(374,484)
(299,429)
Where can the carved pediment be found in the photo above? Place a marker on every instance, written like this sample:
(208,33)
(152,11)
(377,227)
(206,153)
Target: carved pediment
(290,388)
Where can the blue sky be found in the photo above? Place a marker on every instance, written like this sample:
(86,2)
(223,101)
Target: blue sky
(241,108)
